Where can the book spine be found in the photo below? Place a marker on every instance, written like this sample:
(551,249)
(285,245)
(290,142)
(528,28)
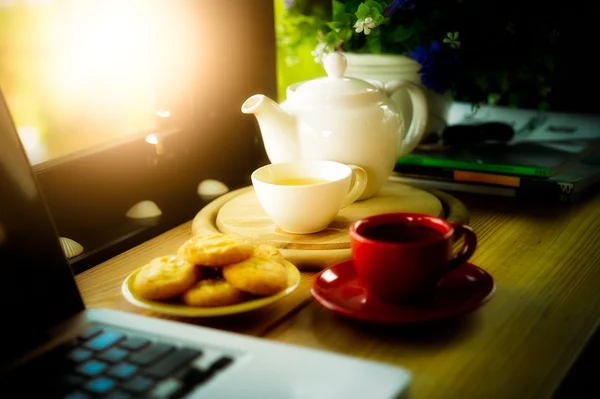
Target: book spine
(516,170)
(460,175)
(488,178)
(530,189)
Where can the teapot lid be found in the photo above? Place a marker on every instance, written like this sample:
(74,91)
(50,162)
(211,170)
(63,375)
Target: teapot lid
(334,84)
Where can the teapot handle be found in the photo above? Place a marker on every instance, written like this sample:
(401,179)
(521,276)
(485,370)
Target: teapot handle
(416,130)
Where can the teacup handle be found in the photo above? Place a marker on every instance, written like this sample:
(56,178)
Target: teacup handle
(359,185)
(468,247)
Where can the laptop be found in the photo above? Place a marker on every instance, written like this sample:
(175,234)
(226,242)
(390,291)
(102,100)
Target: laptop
(53,347)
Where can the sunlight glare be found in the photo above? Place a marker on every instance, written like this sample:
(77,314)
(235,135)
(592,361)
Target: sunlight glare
(152,139)
(30,136)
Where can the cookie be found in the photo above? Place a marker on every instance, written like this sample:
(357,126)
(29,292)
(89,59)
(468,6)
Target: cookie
(216,292)
(269,251)
(258,275)
(215,250)
(164,278)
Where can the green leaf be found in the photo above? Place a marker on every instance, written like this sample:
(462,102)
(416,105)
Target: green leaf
(338,8)
(375,14)
(363,11)
(493,98)
(401,33)
(336,25)
(332,39)
(378,5)
(345,34)
(374,44)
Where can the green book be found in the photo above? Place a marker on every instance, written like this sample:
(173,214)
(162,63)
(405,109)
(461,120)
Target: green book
(521,159)
(474,162)
(525,159)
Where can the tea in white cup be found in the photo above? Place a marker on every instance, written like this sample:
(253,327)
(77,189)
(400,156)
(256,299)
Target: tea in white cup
(303,197)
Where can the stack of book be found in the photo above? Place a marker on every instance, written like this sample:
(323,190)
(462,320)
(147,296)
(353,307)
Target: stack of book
(552,156)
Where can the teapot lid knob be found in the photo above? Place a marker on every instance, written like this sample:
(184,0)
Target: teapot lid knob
(335,64)
(333,86)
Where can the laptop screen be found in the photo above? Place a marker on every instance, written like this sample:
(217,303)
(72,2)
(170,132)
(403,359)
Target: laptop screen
(37,287)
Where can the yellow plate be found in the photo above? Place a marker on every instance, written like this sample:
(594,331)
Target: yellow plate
(191,311)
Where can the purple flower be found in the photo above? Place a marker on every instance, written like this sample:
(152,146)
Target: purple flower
(288,4)
(397,5)
(439,66)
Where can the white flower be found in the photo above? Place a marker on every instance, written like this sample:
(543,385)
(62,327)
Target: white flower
(452,40)
(365,25)
(320,50)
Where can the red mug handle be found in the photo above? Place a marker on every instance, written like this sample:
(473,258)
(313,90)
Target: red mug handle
(468,247)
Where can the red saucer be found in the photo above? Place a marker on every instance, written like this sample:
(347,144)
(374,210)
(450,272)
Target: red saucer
(464,289)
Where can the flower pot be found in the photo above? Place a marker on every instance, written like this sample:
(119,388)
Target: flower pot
(386,68)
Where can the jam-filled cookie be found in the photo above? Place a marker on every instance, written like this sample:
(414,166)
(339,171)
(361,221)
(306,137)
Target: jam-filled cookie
(216,292)
(258,275)
(164,278)
(215,250)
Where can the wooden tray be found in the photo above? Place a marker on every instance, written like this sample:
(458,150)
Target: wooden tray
(239,213)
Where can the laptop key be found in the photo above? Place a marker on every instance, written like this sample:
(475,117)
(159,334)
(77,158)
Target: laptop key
(134,343)
(139,384)
(100,385)
(173,361)
(91,332)
(91,368)
(113,355)
(123,371)
(150,354)
(78,355)
(104,340)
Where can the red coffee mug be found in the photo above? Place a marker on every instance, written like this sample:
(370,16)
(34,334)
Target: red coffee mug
(402,256)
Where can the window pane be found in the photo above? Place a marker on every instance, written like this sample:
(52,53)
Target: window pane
(119,102)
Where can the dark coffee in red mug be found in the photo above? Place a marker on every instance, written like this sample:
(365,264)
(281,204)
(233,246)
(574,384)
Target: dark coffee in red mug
(402,256)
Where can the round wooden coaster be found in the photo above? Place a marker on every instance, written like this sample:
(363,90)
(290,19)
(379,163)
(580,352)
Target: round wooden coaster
(244,216)
(239,213)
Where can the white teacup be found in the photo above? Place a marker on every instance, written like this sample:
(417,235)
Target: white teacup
(303,197)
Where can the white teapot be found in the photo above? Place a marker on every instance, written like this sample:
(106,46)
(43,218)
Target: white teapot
(340,119)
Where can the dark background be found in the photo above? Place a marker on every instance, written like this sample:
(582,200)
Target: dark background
(518,48)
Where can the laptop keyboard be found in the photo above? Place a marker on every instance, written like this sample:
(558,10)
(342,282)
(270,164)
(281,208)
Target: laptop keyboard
(104,362)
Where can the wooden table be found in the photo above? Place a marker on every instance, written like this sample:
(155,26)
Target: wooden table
(545,259)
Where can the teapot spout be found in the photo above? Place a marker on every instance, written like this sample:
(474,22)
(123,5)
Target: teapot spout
(277,127)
